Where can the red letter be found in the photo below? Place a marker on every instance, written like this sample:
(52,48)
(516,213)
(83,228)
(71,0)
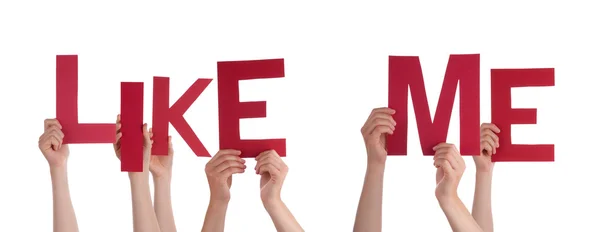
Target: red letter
(231,110)
(66,107)
(503,115)
(405,71)
(132,120)
(162,115)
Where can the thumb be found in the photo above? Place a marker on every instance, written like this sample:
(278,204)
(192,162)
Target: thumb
(447,168)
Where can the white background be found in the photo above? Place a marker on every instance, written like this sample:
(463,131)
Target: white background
(336,71)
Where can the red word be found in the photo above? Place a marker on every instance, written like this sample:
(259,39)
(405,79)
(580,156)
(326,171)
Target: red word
(230,111)
(463,72)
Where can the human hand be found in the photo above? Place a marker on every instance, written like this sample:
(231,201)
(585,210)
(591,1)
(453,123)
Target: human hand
(489,142)
(379,124)
(450,168)
(50,144)
(219,171)
(147,136)
(272,171)
(161,166)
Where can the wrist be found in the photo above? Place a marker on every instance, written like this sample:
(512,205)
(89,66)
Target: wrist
(375,167)
(138,177)
(448,200)
(164,179)
(272,203)
(218,202)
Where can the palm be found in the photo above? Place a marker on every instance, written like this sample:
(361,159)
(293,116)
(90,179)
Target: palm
(483,161)
(160,164)
(265,184)
(441,182)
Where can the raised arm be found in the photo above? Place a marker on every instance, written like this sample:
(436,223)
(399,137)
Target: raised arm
(272,171)
(161,167)
(450,167)
(379,124)
(56,154)
(144,218)
(219,171)
(482,201)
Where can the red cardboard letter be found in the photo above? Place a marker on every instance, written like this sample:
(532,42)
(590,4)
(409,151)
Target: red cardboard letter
(132,120)
(66,107)
(405,71)
(503,115)
(162,115)
(231,110)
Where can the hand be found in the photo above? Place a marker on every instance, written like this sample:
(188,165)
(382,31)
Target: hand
(379,124)
(272,171)
(147,135)
(219,171)
(50,144)
(450,168)
(489,142)
(162,165)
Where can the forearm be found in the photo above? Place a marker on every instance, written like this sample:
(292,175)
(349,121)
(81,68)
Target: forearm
(162,204)
(368,215)
(283,219)
(482,201)
(63,212)
(458,215)
(214,221)
(144,219)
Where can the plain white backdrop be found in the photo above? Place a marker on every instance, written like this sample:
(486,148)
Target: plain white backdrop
(336,68)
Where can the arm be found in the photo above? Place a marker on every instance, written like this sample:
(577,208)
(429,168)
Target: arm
(50,144)
(482,201)
(215,216)
(219,171)
(161,167)
(283,219)
(162,204)
(368,215)
(272,171)
(144,219)
(458,215)
(450,167)
(64,214)
(379,124)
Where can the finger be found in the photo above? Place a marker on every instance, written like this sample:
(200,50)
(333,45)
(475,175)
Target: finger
(225,152)
(379,122)
(446,155)
(117,144)
(380,130)
(51,121)
(268,154)
(228,164)
(487,147)
(384,110)
(55,129)
(269,168)
(443,146)
(52,142)
(225,158)
(170,145)
(147,139)
(56,135)
(492,135)
(447,168)
(150,133)
(230,171)
(490,126)
(270,160)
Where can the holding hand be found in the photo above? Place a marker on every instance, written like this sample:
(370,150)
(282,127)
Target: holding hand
(489,142)
(219,171)
(450,168)
(147,136)
(161,166)
(272,171)
(50,144)
(379,124)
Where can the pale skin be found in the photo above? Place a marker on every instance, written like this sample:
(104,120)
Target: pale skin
(450,167)
(56,153)
(482,201)
(144,217)
(273,170)
(369,214)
